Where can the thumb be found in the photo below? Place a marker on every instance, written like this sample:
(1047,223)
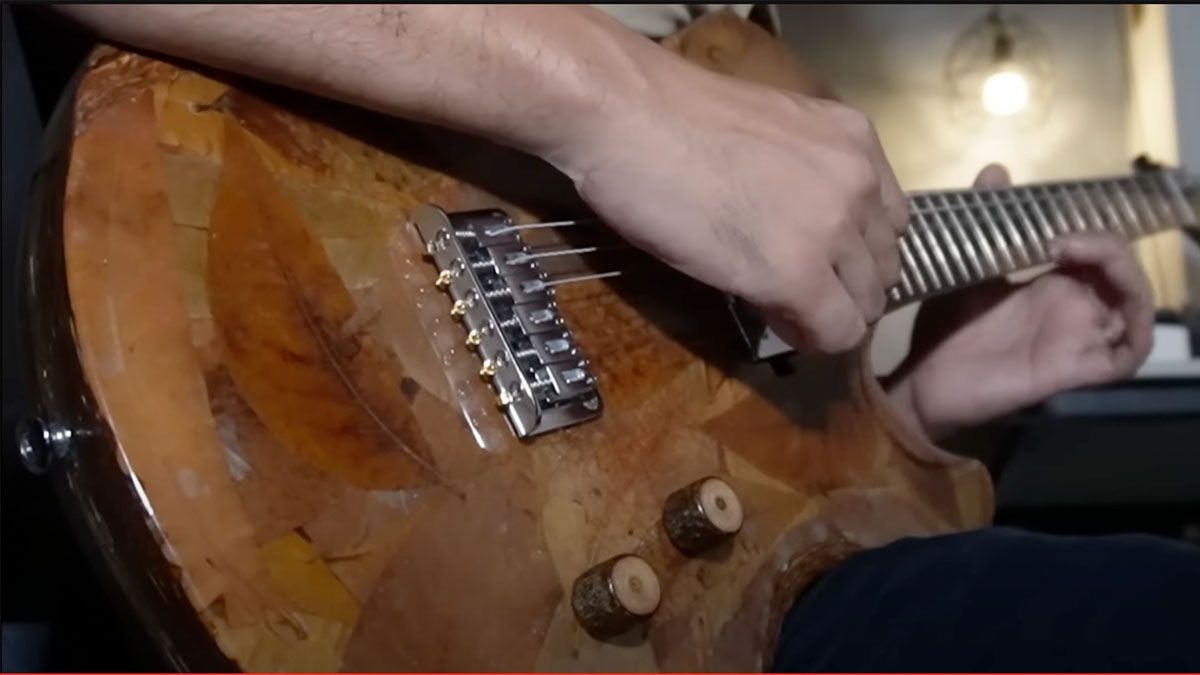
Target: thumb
(993,176)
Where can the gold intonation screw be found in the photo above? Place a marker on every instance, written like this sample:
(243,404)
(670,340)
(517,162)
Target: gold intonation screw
(473,339)
(459,308)
(445,278)
(488,369)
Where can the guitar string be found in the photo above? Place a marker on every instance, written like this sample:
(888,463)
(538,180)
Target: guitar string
(724,331)
(973,211)
(698,334)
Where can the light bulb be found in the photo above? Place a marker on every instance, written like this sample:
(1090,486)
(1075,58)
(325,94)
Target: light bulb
(1005,93)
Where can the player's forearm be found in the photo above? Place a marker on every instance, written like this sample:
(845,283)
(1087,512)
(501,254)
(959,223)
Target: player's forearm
(537,78)
(758,192)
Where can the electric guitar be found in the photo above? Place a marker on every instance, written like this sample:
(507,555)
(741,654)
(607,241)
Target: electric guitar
(326,390)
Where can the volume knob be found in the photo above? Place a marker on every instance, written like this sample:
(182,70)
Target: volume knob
(615,595)
(701,515)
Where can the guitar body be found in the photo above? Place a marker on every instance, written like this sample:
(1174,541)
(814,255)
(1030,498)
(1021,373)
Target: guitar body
(289,460)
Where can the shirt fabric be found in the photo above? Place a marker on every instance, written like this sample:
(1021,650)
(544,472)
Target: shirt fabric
(660,20)
(1001,599)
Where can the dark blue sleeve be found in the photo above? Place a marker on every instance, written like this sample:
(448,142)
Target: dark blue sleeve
(1002,600)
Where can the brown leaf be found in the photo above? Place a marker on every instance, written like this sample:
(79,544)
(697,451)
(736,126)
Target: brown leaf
(135,343)
(279,490)
(471,588)
(331,395)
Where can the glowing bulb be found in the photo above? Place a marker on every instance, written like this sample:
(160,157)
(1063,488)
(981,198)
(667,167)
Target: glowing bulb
(1005,93)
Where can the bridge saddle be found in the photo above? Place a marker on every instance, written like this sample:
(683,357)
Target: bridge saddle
(542,381)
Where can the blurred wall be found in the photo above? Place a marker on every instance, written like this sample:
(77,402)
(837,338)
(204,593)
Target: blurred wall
(890,61)
(1184,29)
(1183,25)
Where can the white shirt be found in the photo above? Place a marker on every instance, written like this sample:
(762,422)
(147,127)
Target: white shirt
(660,20)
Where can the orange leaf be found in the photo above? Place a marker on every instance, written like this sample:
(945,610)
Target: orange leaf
(135,342)
(331,394)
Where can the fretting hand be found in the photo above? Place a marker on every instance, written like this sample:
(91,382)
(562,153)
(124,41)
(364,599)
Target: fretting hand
(998,347)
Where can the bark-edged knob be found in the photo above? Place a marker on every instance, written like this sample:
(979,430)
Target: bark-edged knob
(701,515)
(613,596)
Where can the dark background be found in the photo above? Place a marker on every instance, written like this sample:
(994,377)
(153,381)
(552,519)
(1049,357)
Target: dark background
(56,617)
(53,612)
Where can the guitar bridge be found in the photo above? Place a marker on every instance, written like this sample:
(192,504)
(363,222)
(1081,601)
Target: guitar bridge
(541,379)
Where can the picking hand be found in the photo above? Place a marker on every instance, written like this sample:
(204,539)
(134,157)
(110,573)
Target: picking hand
(782,199)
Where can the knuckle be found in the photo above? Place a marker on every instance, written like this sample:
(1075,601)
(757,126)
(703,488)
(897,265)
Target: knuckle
(838,224)
(754,284)
(878,300)
(842,334)
(898,214)
(777,282)
(860,175)
(889,267)
(856,122)
(887,242)
(848,337)
(791,100)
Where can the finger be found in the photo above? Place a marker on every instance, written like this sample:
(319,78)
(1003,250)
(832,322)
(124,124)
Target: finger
(889,202)
(894,203)
(1126,288)
(1096,365)
(993,176)
(821,317)
(856,267)
(1112,330)
(884,249)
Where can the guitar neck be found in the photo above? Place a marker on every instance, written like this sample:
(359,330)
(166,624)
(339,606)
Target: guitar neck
(958,238)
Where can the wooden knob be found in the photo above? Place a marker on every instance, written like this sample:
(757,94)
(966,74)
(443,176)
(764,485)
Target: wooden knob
(615,595)
(701,515)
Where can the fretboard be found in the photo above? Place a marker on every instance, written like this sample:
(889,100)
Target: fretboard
(962,237)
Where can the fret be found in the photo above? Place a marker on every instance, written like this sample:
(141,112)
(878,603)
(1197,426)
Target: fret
(1009,263)
(1099,220)
(1126,206)
(1056,213)
(959,237)
(957,257)
(981,238)
(1163,201)
(910,264)
(905,285)
(1112,218)
(1048,233)
(1014,236)
(1151,219)
(1063,197)
(1021,208)
(1156,193)
(926,259)
(1077,215)
(1175,196)
(947,236)
(922,229)
(967,247)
